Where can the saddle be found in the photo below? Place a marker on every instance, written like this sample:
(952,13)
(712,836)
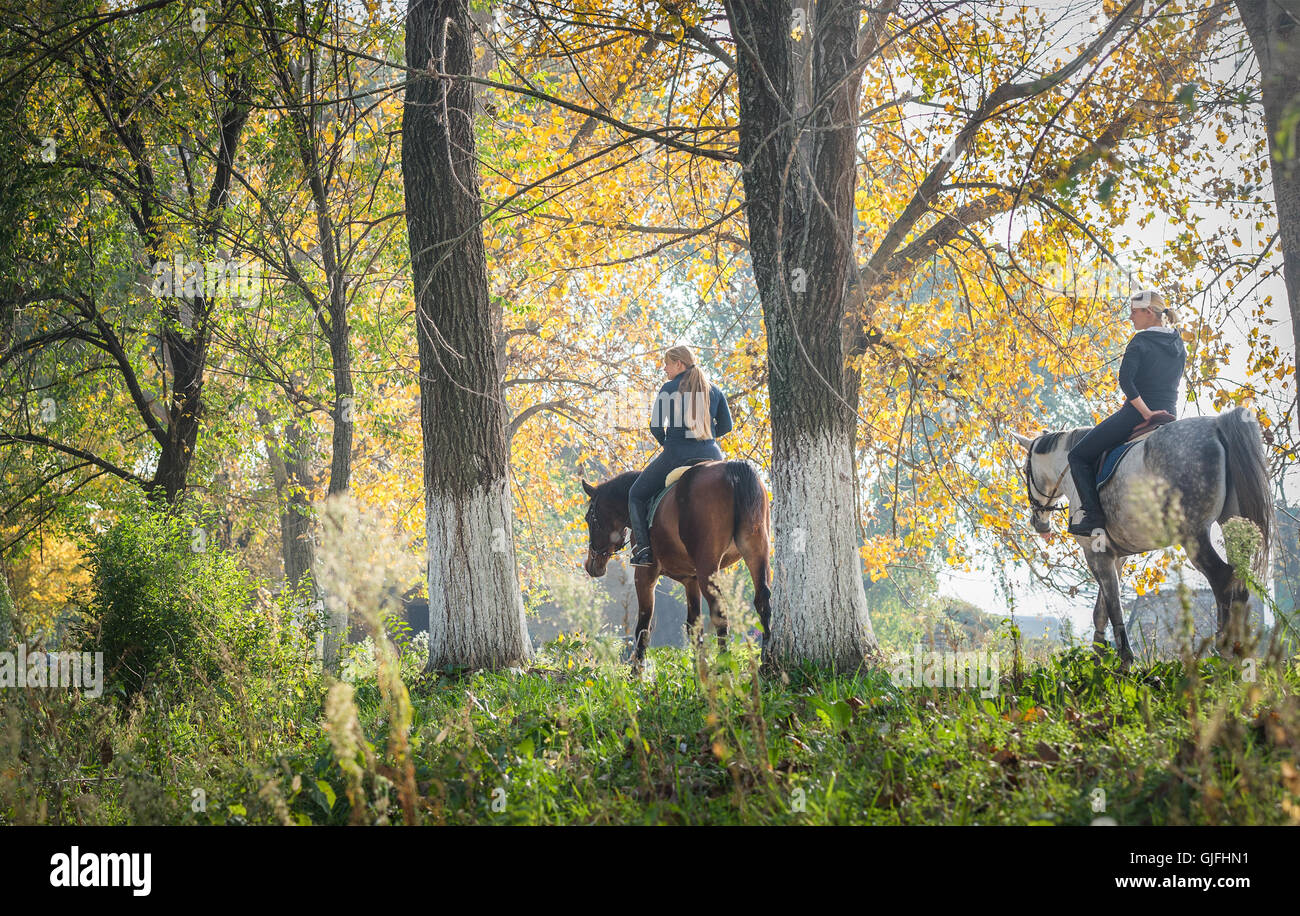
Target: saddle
(1110,460)
(669,482)
(1158,418)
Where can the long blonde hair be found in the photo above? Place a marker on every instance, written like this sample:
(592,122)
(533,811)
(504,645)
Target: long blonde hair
(694,389)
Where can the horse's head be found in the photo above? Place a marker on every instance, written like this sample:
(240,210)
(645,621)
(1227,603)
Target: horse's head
(1044,482)
(606,526)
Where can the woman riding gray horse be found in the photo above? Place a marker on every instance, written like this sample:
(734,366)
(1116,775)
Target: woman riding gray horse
(688,417)
(1148,375)
(1167,490)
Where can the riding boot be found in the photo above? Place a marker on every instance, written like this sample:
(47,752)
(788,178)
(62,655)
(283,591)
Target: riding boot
(641,552)
(1085,483)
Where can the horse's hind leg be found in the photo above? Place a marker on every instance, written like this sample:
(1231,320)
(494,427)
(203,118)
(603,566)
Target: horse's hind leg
(704,576)
(1105,569)
(1230,595)
(758,564)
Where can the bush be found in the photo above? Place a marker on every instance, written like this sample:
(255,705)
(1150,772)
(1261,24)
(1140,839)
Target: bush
(170,607)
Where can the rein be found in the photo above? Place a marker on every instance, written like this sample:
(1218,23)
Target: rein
(604,554)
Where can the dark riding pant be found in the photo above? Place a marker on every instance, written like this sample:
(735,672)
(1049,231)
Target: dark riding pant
(656,473)
(1107,434)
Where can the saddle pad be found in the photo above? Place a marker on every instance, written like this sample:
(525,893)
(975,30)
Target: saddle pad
(671,481)
(1111,460)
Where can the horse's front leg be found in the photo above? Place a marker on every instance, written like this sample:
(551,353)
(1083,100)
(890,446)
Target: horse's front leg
(1105,569)
(1099,620)
(646,577)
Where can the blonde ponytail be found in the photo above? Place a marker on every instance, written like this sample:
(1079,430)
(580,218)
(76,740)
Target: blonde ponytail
(694,391)
(1150,299)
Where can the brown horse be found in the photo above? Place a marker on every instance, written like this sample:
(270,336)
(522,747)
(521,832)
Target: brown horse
(720,515)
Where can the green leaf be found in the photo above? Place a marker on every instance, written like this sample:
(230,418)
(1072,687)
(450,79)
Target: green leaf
(837,715)
(328,791)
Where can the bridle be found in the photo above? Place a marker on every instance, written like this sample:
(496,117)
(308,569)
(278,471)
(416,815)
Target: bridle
(1029,487)
(601,554)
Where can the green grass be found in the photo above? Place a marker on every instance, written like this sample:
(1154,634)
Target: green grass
(577,741)
(697,739)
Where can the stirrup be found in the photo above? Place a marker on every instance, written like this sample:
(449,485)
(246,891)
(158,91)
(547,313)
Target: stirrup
(643,556)
(1088,525)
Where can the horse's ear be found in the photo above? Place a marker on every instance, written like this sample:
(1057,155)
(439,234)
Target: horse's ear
(1024,441)
(591,491)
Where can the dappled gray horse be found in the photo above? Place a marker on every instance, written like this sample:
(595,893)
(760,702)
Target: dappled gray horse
(1168,490)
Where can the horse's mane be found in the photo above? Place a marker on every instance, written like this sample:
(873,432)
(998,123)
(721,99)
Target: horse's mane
(619,487)
(1049,442)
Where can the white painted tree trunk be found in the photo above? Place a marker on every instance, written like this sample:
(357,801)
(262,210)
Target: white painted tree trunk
(476,610)
(819,606)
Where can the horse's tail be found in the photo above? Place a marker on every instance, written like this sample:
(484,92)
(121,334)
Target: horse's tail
(1248,475)
(748,495)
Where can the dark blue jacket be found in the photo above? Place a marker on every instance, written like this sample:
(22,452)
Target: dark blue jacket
(666,415)
(1152,368)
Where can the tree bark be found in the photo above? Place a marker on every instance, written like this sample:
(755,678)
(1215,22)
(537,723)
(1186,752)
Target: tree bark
(187,356)
(6,610)
(344,405)
(799,188)
(476,612)
(293,485)
(14,185)
(1275,36)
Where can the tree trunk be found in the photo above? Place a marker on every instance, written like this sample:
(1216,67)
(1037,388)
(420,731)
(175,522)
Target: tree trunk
(1271,25)
(14,182)
(476,612)
(341,439)
(799,201)
(293,485)
(7,612)
(186,354)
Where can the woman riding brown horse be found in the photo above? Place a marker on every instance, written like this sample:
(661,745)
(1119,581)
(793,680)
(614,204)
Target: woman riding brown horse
(717,513)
